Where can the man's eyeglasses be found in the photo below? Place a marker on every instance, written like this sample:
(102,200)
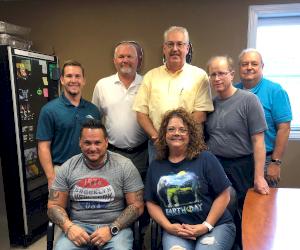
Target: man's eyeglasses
(219,74)
(179,45)
(173,130)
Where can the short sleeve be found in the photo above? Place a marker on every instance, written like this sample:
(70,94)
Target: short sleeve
(203,101)
(132,179)
(150,192)
(281,110)
(60,182)
(96,99)
(141,101)
(255,115)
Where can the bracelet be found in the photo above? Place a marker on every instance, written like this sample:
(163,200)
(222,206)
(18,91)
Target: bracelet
(210,227)
(68,229)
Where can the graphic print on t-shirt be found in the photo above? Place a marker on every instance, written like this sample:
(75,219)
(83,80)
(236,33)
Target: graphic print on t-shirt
(93,193)
(180,193)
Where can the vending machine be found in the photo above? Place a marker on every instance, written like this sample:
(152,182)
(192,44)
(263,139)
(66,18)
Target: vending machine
(28,80)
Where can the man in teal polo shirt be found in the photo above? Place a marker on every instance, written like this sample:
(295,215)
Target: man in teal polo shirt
(60,120)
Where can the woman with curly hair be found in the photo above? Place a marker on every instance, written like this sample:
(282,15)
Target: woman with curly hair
(186,190)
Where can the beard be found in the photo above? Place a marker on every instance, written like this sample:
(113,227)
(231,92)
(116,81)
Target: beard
(126,69)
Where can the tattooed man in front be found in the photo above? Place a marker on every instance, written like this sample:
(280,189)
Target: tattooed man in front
(105,192)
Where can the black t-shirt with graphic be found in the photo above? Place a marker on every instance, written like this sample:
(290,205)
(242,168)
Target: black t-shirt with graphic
(186,190)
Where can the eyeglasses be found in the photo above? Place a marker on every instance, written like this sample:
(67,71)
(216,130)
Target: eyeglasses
(173,130)
(219,74)
(171,45)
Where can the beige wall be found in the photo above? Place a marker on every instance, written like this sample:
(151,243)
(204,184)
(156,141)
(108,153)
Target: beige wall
(87,31)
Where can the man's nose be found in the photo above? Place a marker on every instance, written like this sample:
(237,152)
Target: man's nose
(126,59)
(175,47)
(92,147)
(249,66)
(217,77)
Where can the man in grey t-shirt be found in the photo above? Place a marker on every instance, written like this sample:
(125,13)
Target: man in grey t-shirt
(236,130)
(105,192)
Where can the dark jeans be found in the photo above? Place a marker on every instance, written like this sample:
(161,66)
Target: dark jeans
(240,172)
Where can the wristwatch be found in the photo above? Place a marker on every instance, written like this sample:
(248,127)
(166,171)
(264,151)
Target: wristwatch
(114,230)
(210,227)
(276,161)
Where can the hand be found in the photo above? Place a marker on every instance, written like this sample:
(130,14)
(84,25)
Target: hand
(78,235)
(101,236)
(197,230)
(179,230)
(261,185)
(154,138)
(273,173)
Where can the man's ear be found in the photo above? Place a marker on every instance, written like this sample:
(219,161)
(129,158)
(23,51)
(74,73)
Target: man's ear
(79,143)
(83,81)
(233,73)
(61,79)
(187,48)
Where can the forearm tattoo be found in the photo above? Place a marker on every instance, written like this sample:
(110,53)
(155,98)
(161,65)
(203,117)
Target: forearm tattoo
(140,195)
(127,217)
(130,213)
(53,195)
(56,213)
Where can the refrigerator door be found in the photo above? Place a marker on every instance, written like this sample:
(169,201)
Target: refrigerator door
(32,87)
(33,82)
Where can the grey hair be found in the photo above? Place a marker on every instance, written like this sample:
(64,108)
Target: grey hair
(176,29)
(126,44)
(250,50)
(228,59)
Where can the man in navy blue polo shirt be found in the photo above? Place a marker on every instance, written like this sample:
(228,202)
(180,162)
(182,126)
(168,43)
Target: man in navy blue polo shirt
(60,120)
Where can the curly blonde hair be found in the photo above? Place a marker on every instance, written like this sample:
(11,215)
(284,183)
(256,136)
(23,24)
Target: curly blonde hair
(196,140)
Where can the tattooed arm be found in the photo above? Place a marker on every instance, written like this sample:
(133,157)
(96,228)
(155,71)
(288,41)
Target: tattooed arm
(57,203)
(135,207)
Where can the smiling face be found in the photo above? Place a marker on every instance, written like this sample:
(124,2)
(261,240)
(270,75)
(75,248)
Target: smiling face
(177,135)
(125,59)
(93,144)
(251,69)
(175,50)
(72,81)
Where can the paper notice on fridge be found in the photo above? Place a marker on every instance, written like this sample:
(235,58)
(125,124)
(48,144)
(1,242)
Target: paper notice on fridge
(44,66)
(45,92)
(45,80)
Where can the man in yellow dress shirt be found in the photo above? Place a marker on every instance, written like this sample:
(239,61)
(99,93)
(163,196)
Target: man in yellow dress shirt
(172,85)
